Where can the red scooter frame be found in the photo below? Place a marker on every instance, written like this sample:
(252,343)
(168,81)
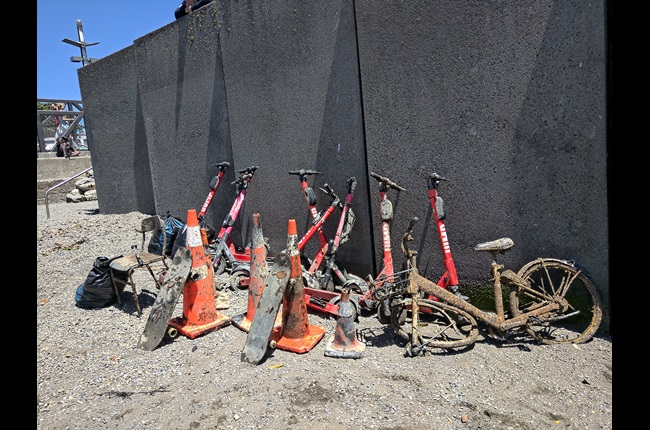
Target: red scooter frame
(449,279)
(387,273)
(326,301)
(337,276)
(222,251)
(214,185)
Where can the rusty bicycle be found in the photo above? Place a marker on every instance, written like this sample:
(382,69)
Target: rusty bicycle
(548,300)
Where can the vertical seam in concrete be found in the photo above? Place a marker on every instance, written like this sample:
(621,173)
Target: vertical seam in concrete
(365,146)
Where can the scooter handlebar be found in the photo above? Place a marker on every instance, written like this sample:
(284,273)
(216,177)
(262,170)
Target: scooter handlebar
(303,172)
(222,166)
(386,182)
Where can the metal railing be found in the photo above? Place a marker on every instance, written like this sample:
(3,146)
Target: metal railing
(46,116)
(47,204)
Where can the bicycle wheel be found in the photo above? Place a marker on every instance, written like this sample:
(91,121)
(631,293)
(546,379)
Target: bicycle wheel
(440,325)
(558,281)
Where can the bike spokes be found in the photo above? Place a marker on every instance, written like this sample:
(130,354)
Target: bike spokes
(435,325)
(558,282)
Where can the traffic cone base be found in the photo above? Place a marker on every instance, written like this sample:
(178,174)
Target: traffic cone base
(299,345)
(339,350)
(194,330)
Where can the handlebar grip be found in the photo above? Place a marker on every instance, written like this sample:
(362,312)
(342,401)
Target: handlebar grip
(352,184)
(328,190)
(222,166)
(412,223)
(437,177)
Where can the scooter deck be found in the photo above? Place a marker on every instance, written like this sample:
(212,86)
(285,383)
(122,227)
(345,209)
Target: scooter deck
(163,307)
(264,320)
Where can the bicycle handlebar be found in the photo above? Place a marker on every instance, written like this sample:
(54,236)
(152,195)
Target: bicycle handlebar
(408,237)
(386,182)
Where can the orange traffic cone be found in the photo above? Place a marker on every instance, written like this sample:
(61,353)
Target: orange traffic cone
(295,334)
(344,343)
(199,313)
(259,270)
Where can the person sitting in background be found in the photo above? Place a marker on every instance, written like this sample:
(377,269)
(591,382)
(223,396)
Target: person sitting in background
(64,144)
(188,6)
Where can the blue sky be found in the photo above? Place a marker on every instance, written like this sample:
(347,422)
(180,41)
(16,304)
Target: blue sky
(113,23)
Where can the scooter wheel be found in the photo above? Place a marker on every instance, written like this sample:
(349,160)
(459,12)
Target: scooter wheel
(171,333)
(236,278)
(383,311)
(221,266)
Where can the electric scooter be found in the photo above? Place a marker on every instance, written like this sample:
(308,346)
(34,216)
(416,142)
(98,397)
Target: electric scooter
(224,255)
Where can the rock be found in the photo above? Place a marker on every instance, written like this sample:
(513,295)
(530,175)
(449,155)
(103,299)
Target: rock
(84,190)
(90,195)
(85,184)
(74,196)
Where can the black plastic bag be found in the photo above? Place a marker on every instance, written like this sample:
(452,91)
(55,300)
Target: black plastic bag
(172,226)
(97,291)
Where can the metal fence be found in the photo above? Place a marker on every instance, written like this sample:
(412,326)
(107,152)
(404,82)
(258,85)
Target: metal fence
(46,127)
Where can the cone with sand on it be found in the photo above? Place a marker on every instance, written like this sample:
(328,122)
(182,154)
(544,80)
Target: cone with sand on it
(295,334)
(200,315)
(344,343)
(259,272)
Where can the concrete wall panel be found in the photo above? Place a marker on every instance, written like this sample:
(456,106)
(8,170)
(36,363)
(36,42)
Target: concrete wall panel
(115,126)
(292,84)
(185,114)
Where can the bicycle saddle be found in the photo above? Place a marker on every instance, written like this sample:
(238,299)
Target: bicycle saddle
(499,245)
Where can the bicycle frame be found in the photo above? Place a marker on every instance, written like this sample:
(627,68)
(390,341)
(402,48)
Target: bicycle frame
(544,297)
(496,320)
